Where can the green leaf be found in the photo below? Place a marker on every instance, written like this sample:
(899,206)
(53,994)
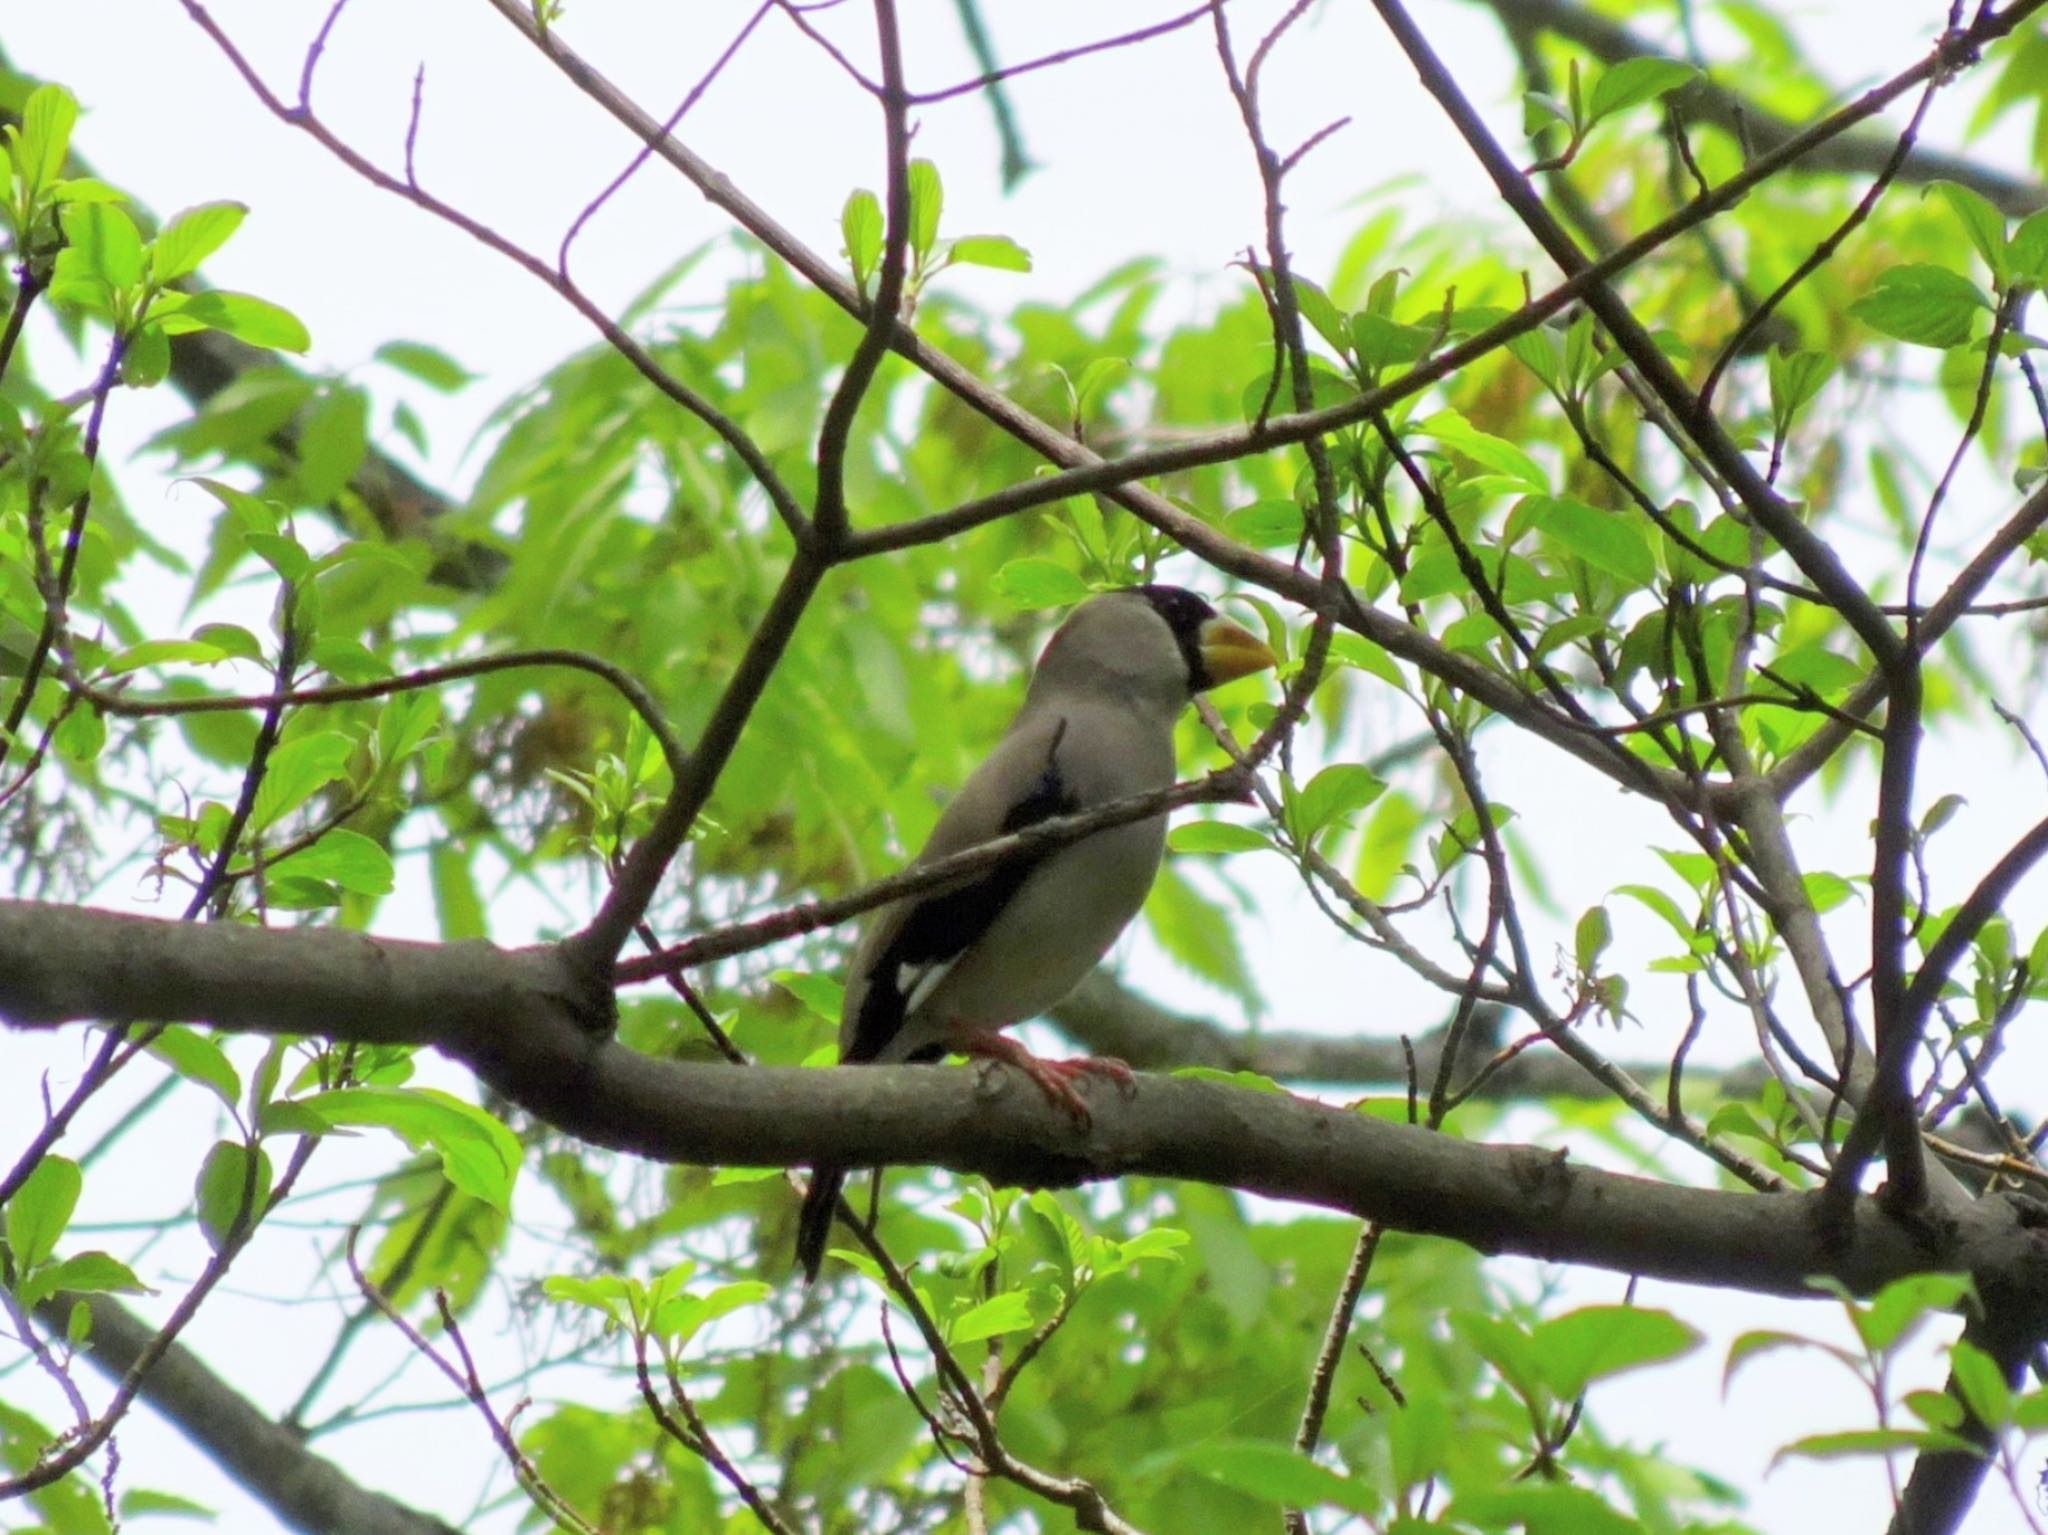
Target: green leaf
(2026,256)
(1539,352)
(1940,813)
(1937,1409)
(162,652)
(87,1273)
(820,993)
(1981,221)
(104,242)
(1591,938)
(282,553)
(1796,377)
(1215,837)
(1574,1350)
(347,661)
(1379,342)
(41,1209)
(480,1156)
(1765,1341)
(146,361)
(1982,1384)
(347,858)
(1268,524)
(1662,905)
(1540,1509)
(253,320)
(1000,1314)
(430,365)
(1495,453)
(1322,315)
(1869,1441)
(1635,81)
(1386,847)
(927,200)
(726,1176)
(998,251)
(191,237)
(1332,797)
(1505,1344)
(231,640)
(47,118)
(2029,1413)
(605,1293)
(679,1317)
(297,770)
(82,189)
(1897,1310)
(1155,1242)
(860,226)
(1541,110)
(1275,1474)
(1073,1238)
(1922,305)
(231,1191)
(81,736)
(1096,380)
(1036,582)
(1608,541)
(138,1501)
(198,1059)
(335,436)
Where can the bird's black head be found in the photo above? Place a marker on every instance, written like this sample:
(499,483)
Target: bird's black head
(1184,612)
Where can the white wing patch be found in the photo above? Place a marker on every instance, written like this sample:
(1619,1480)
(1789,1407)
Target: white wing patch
(914,983)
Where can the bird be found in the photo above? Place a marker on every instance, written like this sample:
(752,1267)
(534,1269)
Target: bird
(945,971)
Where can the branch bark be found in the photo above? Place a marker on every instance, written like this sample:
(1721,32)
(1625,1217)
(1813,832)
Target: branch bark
(306,1491)
(522,1021)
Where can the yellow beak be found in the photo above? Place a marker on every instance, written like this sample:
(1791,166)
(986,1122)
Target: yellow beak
(1230,651)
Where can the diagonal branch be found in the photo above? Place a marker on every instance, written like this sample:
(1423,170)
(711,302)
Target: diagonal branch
(1729,109)
(808,916)
(1814,556)
(598,944)
(305,1490)
(1117,482)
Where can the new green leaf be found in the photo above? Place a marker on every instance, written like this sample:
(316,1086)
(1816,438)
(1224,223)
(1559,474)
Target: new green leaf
(41,1209)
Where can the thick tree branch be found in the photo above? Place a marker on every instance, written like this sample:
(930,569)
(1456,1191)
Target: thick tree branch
(306,1491)
(519,1020)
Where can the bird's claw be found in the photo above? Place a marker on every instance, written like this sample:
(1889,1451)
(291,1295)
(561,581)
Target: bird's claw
(1055,1079)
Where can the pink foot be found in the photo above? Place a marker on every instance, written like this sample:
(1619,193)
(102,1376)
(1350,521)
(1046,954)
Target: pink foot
(1054,1078)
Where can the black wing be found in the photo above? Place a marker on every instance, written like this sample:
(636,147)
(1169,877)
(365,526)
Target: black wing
(942,927)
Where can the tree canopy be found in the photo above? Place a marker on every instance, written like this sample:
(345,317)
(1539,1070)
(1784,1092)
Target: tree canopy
(452,870)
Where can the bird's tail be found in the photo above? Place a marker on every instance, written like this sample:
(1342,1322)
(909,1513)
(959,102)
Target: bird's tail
(814,1224)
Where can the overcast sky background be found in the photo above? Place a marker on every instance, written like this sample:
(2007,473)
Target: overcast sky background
(1141,154)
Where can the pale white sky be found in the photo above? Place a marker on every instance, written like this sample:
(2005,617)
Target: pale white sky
(1142,155)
